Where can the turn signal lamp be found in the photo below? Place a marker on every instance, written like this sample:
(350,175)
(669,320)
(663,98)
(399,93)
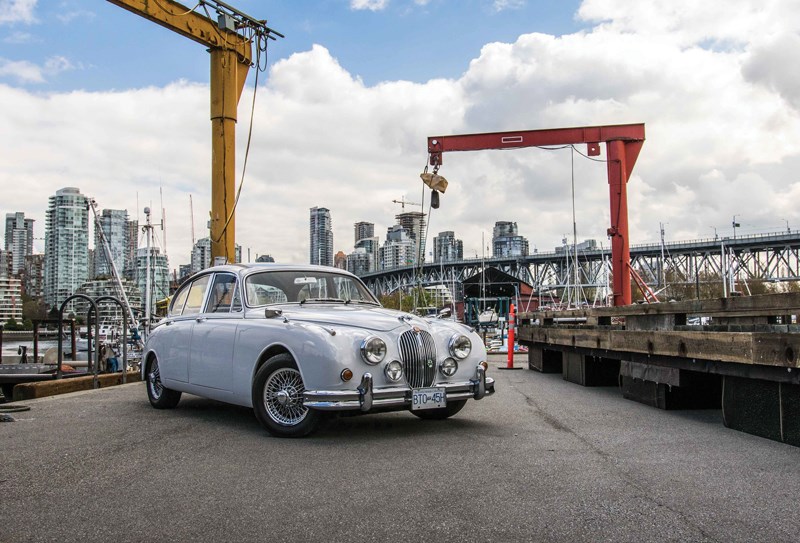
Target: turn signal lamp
(347,374)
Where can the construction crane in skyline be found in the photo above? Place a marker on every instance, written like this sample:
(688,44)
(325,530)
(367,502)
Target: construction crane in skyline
(402,201)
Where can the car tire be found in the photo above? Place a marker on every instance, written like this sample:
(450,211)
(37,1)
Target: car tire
(160,396)
(443,413)
(278,399)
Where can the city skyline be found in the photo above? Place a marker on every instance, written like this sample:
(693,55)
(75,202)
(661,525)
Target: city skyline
(330,120)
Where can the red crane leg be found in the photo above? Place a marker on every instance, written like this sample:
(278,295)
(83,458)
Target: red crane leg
(620,246)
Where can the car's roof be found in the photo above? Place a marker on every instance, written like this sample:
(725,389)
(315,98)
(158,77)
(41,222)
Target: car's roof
(271,266)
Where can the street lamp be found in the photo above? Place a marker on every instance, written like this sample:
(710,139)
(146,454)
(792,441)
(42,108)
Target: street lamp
(715,232)
(788,230)
(735,224)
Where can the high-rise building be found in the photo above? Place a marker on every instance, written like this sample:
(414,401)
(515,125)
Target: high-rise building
(159,275)
(201,254)
(360,262)
(114,224)
(66,241)
(446,248)
(129,271)
(19,239)
(320,237)
(506,241)
(363,230)
(414,223)
(399,249)
(33,278)
(10,299)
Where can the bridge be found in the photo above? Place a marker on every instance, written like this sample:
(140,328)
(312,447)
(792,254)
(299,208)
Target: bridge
(772,257)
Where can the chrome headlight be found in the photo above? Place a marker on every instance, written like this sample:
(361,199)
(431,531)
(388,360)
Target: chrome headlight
(460,346)
(373,350)
(449,367)
(393,370)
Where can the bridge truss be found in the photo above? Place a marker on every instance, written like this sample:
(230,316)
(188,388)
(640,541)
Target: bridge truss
(773,257)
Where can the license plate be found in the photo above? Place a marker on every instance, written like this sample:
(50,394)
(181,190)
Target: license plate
(428,398)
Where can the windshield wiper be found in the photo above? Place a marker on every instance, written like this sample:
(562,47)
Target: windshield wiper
(322,300)
(351,301)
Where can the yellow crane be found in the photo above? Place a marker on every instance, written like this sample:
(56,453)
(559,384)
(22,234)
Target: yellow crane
(229,40)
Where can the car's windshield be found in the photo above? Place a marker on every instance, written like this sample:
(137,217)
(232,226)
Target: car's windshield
(304,286)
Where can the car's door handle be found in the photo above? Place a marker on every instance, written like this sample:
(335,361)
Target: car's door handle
(167,323)
(200,319)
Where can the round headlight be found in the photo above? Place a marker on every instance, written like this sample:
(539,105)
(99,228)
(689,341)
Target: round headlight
(373,349)
(449,367)
(393,370)
(460,346)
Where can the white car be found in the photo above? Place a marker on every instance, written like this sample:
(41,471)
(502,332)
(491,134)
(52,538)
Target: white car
(297,342)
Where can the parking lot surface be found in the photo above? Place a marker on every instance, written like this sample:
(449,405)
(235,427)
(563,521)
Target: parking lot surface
(541,460)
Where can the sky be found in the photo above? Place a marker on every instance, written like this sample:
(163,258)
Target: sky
(98,98)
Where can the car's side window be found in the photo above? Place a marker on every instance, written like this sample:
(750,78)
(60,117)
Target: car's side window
(180,300)
(236,305)
(194,301)
(221,298)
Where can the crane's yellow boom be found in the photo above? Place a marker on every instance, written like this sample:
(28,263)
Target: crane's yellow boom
(231,58)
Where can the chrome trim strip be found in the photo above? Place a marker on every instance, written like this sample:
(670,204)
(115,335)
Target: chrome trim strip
(353,400)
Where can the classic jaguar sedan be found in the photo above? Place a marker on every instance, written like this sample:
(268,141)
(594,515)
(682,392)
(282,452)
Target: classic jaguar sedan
(298,342)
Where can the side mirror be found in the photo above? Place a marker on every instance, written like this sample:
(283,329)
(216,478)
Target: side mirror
(444,313)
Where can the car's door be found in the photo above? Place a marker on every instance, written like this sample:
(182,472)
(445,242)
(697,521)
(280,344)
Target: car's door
(176,338)
(214,334)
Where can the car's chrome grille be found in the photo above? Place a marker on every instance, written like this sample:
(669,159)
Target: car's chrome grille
(418,354)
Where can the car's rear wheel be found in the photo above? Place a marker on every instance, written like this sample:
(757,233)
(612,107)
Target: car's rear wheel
(160,396)
(438,414)
(278,399)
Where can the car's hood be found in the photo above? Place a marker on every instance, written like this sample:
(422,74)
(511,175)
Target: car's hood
(360,316)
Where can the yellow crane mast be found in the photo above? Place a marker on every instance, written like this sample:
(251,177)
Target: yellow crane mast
(231,58)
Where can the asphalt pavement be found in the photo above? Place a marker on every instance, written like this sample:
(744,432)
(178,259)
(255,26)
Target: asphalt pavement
(541,460)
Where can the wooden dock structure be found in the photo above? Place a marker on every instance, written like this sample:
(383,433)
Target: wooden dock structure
(739,354)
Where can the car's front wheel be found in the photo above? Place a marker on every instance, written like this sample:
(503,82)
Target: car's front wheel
(278,399)
(160,396)
(438,414)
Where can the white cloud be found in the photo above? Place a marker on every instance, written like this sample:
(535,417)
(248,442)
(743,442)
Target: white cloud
(721,139)
(371,5)
(21,70)
(502,5)
(19,38)
(17,11)
(26,72)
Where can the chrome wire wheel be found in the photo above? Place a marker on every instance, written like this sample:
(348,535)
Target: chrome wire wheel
(283,397)
(154,381)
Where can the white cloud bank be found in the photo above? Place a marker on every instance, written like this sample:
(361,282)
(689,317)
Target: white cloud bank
(721,104)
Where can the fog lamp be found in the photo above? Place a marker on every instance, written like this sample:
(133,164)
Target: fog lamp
(449,367)
(393,370)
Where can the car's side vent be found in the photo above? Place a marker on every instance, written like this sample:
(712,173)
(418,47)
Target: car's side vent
(418,353)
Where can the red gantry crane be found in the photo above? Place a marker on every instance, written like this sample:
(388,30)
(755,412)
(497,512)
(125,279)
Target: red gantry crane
(623,143)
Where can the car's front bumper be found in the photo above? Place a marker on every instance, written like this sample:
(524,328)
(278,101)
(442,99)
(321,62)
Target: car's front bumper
(366,397)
